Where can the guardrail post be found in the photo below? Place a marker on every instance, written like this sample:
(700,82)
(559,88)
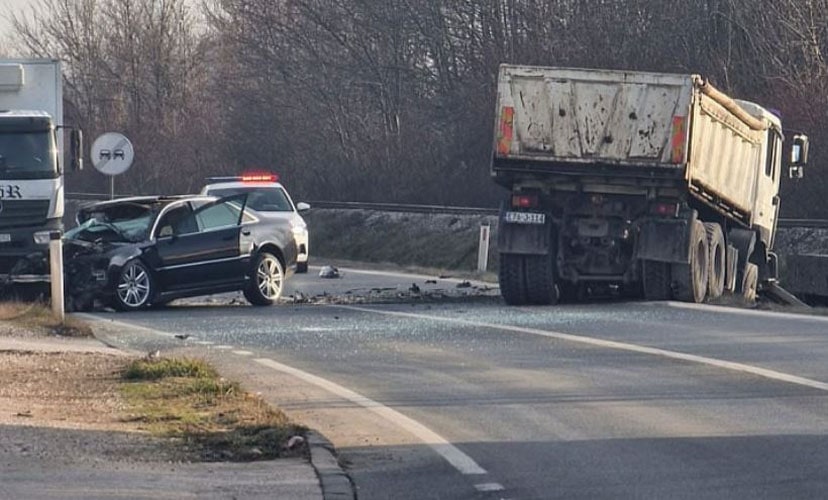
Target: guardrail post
(483,249)
(56,270)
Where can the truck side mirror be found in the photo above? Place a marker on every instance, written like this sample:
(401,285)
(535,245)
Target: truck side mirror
(799,150)
(76,148)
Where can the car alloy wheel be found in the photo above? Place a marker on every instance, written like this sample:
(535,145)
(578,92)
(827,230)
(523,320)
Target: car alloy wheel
(268,278)
(134,286)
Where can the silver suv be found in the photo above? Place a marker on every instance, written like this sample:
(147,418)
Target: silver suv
(269,198)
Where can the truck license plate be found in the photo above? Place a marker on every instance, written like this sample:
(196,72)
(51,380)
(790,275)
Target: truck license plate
(525,218)
(5,237)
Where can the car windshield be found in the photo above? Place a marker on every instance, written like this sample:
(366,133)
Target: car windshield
(128,222)
(261,199)
(26,153)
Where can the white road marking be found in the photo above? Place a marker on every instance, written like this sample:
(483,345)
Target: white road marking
(243,353)
(741,312)
(223,347)
(205,342)
(621,346)
(489,487)
(459,460)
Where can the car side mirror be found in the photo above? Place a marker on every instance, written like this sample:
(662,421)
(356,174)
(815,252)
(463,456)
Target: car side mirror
(302,207)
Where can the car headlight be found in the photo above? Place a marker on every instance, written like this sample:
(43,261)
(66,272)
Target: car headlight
(299,230)
(42,237)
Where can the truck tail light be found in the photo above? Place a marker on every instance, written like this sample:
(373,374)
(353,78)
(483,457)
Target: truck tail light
(507,131)
(525,201)
(679,139)
(665,209)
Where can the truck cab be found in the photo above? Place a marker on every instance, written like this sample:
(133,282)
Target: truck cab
(31,170)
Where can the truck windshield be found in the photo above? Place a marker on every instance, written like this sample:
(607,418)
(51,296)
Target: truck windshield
(26,155)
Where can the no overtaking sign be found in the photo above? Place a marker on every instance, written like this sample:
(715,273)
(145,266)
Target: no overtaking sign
(112,153)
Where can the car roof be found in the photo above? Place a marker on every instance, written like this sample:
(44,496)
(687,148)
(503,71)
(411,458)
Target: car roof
(148,200)
(242,184)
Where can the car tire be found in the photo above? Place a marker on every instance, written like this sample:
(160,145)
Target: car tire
(267,279)
(302,267)
(134,287)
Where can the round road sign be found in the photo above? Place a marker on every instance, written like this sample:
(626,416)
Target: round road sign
(112,153)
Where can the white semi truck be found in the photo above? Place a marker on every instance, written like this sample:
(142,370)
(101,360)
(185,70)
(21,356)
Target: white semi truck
(647,183)
(31,165)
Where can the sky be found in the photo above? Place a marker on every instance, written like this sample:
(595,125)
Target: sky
(7,6)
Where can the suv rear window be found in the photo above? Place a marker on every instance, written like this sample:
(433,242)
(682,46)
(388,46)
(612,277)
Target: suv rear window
(260,199)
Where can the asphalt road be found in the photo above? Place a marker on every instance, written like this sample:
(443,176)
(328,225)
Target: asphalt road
(456,396)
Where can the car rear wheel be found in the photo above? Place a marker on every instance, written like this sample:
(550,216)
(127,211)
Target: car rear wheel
(267,280)
(134,287)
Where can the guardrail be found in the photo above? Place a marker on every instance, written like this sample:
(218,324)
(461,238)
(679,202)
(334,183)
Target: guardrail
(427,209)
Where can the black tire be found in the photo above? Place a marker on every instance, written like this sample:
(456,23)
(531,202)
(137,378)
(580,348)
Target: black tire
(511,277)
(301,267)
(540,280)
(717,260)
(690,280)
(134,288)
(267,279)
(657,280)
(750,282)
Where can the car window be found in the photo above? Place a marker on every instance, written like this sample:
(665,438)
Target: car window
(216,216)
(177,221)
(263,199)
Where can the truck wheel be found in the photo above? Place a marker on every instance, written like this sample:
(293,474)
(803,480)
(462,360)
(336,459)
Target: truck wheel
(266,281)
(511,276)
(657,280)
(750,282)
(134,288)
(691,279)
(716,259)
(540,280)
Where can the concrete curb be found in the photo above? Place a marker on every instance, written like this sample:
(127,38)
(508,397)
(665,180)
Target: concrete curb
(336,484)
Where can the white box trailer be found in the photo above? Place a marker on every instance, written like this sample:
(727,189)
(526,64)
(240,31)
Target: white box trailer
(614,175)
(31,165)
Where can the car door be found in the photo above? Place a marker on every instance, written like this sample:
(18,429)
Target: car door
(198,246)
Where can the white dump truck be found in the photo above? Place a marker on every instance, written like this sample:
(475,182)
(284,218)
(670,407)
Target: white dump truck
(644,183)
(31,165)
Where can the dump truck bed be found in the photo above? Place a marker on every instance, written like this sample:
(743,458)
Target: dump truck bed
(633,124)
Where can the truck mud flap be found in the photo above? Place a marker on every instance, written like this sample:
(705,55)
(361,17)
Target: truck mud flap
(664,241)
(524,239)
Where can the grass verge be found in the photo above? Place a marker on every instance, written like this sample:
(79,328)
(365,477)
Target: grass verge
(215,419)
(38,316)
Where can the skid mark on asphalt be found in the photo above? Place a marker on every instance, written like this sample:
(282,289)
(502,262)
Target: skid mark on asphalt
(459,460)
(611,344)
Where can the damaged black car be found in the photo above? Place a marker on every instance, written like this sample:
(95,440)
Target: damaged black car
(139,252)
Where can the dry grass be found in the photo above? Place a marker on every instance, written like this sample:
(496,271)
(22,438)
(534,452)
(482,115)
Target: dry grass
(38,316)
(188,400)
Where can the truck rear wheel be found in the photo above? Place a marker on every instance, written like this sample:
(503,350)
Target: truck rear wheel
(691,279)
(657,280)
(750,282)
(540,280)
(716,260)
(511,276)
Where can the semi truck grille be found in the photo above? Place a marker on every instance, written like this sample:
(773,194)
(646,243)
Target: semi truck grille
(20,213)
